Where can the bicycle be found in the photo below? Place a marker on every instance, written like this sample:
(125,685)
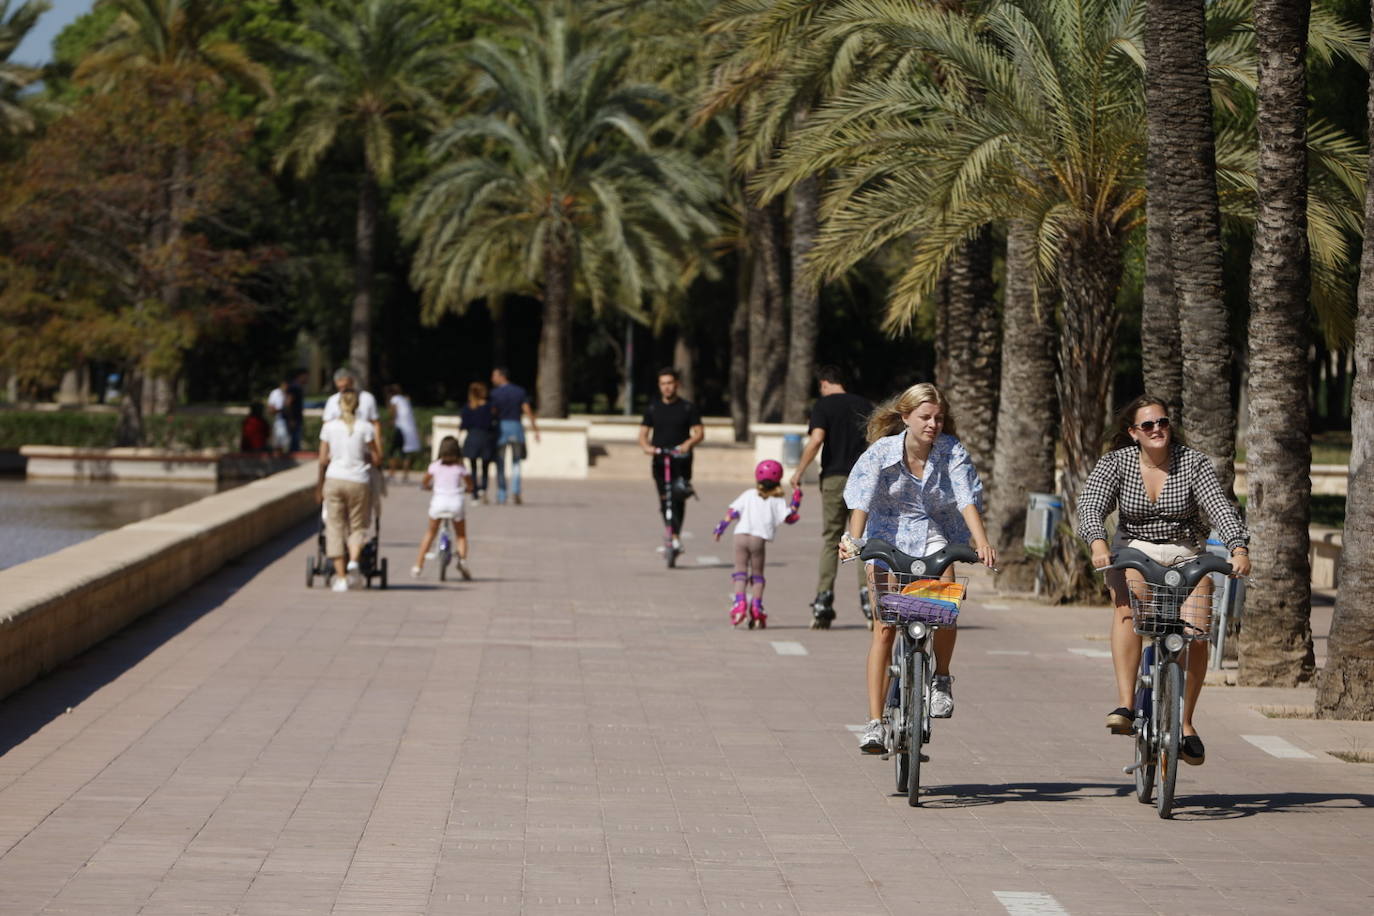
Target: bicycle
(670,548)
(915,601)
(443,550)
(1163,614)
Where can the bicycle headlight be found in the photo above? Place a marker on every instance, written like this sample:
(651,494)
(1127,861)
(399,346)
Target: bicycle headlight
(917,630)
(1173,577)
(1173,642)
(918,567)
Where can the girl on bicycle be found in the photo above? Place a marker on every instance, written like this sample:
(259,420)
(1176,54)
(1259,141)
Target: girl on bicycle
(759,510)
(450,480)
(916,488)
(1160,488)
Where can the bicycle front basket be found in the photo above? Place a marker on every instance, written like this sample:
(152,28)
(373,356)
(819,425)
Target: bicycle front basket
(908,599)
(1163,609)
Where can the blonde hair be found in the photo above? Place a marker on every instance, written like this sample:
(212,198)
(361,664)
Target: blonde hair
(449,453)
(769,488)
(348,408)
(886,418)
(477,394)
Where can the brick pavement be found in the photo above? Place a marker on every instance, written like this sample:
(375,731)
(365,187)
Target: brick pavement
(580,730)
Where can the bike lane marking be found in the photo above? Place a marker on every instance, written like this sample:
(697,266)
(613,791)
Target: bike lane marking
(789,648)
(1027,903)
(1092,653)
(1275,746)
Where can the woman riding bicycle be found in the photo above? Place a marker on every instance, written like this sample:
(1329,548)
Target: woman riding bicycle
(916,488)
(1160,488)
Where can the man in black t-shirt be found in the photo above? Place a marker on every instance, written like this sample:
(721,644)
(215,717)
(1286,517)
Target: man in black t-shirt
(838,424)
(671,422)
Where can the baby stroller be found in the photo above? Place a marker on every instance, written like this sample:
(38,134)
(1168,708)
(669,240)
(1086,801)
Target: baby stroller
(370,564)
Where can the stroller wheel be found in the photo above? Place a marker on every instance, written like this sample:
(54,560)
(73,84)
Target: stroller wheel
(311,571)
(383,572)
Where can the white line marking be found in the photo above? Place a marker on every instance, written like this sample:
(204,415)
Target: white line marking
(1008,652)
(856,729)
(708,561)
(1092,653)
(790,648)
(1275,746)
(1023,903)
(995,607)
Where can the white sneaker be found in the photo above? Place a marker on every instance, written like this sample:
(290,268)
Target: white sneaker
(677,544)
(871,741)
(340,585)
(355,575)
(463,568)
(415,572)
(942,697)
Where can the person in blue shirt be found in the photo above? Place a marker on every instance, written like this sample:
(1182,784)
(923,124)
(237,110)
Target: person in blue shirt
(916,488)
(510,403)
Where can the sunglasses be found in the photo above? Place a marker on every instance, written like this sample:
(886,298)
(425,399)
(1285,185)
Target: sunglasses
(1149,425)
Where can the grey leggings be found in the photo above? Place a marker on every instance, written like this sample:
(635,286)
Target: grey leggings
(749,557)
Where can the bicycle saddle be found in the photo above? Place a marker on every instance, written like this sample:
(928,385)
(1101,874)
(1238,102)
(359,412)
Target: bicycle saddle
(1187,574)
(932,566)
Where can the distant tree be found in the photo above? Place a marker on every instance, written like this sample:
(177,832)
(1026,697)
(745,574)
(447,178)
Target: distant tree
(15,76)
(366,75)
(129,196)
(554,188)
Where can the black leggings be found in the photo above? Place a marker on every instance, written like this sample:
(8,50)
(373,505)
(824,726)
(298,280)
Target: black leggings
(480,468)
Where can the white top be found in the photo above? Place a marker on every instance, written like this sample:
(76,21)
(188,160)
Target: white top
(367,408)
(277,400)
(405,422)
(348,452)
(758,516)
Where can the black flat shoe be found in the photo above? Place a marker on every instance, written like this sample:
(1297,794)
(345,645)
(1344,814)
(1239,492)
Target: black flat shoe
(1121,721)
(1192,751)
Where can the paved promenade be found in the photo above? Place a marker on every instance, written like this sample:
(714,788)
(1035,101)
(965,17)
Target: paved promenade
(579,730)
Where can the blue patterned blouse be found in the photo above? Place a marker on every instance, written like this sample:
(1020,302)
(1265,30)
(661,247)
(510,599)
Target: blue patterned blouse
(903,509)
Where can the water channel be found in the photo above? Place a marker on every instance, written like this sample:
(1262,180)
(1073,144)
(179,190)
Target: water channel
(40,517)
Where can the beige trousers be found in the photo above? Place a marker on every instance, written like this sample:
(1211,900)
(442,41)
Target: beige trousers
(346,506)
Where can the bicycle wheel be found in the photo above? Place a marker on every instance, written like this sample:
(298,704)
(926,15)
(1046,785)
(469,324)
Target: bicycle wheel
(896,715)
(1169,727)
(444,556)
(914,698)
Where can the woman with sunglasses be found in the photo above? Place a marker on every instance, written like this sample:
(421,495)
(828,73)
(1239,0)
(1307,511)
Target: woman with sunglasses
(1161,488)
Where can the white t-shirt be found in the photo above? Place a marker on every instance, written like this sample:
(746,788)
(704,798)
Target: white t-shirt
(405,422)
(277,400)
(348,452)
(758,516)
(367,408)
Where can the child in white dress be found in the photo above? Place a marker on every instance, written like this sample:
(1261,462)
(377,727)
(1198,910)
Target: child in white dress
(759,511)
(450,482)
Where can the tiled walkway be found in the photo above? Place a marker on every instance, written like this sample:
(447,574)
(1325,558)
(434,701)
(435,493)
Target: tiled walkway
(580,730)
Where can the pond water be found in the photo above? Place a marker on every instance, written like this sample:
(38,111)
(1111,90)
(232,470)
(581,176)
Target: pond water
(40,517)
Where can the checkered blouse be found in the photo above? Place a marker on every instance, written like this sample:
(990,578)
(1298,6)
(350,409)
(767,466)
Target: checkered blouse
(1191,489)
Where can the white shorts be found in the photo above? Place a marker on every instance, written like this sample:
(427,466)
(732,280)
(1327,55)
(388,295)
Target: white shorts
(452,506)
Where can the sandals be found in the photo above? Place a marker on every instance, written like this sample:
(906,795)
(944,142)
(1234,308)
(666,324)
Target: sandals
(1192,751)
(1121,721)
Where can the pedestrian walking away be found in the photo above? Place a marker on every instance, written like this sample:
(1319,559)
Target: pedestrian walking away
(837,434)
(1159,488)
(279,407)
(916,488)
(405,443)
(480,430)
(512,406)
(346,380)
(295,408)
(673,423)
(759,510)
(348,451)
(450,483)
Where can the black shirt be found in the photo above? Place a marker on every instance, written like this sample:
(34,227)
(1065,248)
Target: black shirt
(295,408)
(671,421)
(843,417)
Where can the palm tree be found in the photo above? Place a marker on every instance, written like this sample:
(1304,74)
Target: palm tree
(554,188)
(1276,639)
(14,77)
(1345,686)
(372,71)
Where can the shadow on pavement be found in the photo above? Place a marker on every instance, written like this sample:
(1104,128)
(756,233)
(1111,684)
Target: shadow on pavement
(975,795)
(28,709)
(1227,807)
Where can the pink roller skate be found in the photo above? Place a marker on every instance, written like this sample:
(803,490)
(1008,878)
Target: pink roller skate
(739,610)
(757,618)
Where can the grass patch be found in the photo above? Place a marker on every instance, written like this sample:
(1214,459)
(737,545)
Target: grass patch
(1286,712)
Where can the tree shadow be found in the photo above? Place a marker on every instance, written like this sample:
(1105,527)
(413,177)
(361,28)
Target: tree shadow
(978,795)
(30,708)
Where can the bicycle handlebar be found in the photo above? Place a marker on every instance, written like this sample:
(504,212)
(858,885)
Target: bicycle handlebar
(933,565)
(1188,573)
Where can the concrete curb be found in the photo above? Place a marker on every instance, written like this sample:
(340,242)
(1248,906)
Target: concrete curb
(55,607)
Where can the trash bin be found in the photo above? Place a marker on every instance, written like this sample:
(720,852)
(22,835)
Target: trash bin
(1232,605)
(791,450)
(1044,512)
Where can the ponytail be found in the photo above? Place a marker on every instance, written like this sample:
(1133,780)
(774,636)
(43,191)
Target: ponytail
(348,409)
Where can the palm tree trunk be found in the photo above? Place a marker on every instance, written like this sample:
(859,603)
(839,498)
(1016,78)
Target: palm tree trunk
(806,298)
(365,242)
(555,336)
(1345,687)
(767,343)
(972,346)
(739,355)
(1276,637)
(684,359)
(1023,456)
(1161,353)
(1185,115)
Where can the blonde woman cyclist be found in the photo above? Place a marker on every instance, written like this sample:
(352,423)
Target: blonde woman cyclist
(916,488)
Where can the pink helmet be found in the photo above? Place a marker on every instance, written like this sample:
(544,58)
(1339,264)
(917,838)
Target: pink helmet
(768,470)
